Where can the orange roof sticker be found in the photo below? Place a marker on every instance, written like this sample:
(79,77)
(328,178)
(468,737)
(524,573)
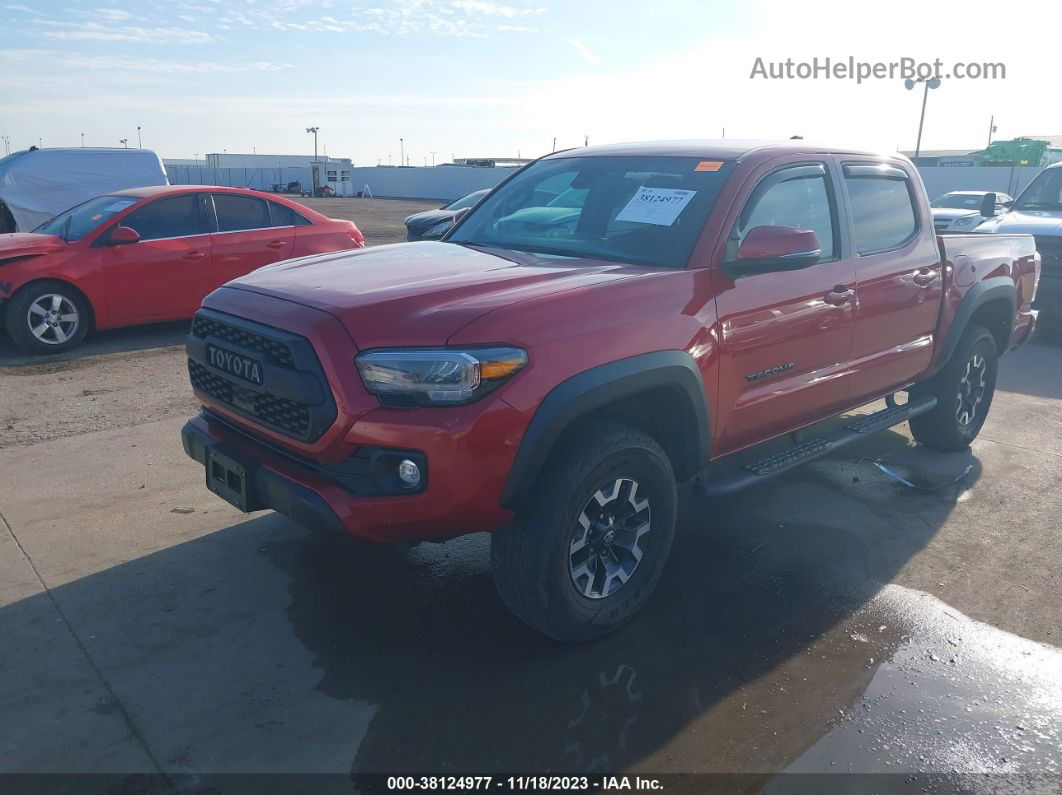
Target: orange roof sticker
(709,165)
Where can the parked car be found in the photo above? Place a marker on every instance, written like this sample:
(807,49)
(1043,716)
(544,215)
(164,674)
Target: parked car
(552,377)
(146,255)
(432,224)
(38,184)
(1038,211)
(960,210)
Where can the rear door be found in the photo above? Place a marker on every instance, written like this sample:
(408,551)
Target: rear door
(785,335)
(898,277)
(250,234)
(166,274)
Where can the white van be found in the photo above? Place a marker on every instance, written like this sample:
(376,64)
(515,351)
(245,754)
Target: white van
(38,184)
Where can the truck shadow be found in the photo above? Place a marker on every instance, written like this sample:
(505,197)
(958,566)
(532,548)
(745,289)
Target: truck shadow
(407,659)
(123,340)
(754,581)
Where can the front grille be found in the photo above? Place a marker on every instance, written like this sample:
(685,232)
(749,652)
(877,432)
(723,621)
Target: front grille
(294,397)
(1050,249)
(275,351)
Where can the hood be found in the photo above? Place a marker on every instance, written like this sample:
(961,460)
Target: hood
(27,244)
(1046,223)
(950,213)
(423,293)
(429,217)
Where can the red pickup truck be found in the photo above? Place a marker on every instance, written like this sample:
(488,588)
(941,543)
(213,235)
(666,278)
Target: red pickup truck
(607,323)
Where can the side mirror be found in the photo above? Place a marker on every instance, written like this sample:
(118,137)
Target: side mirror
(123,236)
(988,205)
(766,249)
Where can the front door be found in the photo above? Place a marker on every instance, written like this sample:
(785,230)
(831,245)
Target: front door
(785,336)
(165,275)
(248,236)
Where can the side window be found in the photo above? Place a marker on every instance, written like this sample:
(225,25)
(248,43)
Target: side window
(800,201)
(883,213)
(174,217)
(240,212)
(279,215)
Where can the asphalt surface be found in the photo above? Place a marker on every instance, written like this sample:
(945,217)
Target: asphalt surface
(832,621)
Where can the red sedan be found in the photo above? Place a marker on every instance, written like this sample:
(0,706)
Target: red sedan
(146,255)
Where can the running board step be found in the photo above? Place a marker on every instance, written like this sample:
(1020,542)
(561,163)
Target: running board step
(758,471)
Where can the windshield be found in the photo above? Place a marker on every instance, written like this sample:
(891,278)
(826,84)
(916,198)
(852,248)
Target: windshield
(465,201)
(959,201)
(1043,193)
(641,210)
(77,222)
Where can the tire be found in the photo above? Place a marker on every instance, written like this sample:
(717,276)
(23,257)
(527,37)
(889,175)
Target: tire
(562,566)
(66,328)
(963,389)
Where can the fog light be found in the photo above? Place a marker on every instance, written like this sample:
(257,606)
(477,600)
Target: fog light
(408,472)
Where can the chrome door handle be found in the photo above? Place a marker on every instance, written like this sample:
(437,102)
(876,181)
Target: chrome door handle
(838,296)
(277,243)
(924,277)
(195,255)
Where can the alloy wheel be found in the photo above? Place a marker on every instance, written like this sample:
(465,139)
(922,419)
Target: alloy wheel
(53,319)
(606,545)
(972,388)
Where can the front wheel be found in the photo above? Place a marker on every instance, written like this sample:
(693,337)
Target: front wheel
(47,317)
(586,551)
(963,388)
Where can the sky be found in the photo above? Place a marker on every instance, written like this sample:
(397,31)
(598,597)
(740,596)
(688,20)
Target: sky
(477,78)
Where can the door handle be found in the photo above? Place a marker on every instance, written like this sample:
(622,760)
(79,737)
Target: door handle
(924,277)
(193,255)
(838,296)
(277,243)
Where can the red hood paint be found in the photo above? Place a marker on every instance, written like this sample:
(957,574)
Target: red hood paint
(422,293)
(21,244)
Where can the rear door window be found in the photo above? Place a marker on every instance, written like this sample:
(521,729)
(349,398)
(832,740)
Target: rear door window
(177,216)
(236,213)
(883,211)
(279,215)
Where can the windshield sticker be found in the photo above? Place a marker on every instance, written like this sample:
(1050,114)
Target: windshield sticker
(660,206)
(118,206)
(709,165)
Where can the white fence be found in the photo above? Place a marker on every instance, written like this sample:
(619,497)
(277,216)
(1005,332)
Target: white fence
(445,183)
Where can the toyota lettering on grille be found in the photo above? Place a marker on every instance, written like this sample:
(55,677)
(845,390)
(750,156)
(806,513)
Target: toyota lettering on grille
(243,367)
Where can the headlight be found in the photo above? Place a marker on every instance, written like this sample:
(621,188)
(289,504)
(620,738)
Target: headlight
(438,230)
(437,376)
(967,221)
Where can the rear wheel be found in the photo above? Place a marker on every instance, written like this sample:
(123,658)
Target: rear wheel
(47,317)
(963,389)
(589,547)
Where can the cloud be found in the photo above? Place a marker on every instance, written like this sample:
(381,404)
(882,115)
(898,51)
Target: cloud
(109,14)
(515,29)
(23,9)
(94,31)
(54,60)
(494,9)
(584,51)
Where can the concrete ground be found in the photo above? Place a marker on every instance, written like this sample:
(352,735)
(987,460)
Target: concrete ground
(833,620)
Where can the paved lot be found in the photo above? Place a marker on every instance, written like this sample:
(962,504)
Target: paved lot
(833,620)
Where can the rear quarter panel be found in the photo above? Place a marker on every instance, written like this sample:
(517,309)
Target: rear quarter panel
(973,258)
(321,239)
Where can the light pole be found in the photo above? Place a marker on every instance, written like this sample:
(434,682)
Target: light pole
(196,156)
(138,144)
(433,159)
(554,143)
(401,151)
(313,168)
(82,140)
(991,129)
(124,142)
(7,144)
(933,82)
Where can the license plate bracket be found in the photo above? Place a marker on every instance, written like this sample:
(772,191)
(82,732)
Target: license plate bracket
(228,478)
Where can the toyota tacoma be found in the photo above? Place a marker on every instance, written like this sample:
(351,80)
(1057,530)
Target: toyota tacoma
(607,323)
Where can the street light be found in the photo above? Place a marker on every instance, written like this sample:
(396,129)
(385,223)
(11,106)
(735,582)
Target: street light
(124,142)
(138,144)
(313,168)
(401,151)
(933,82)
(82,140)
(7,144)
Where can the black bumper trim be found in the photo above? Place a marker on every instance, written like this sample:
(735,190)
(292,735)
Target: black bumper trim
(270,490)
